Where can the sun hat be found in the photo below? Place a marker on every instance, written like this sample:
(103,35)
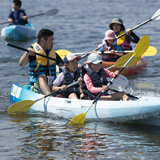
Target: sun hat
(69,57)
(117,20)
(109,35)
(94,58)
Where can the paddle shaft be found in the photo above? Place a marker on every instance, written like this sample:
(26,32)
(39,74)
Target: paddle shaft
(126,94)
(136,27)
(138,53)
(70,85)
(23,49)
(89,53)
(153,17)
(53,11)
(109,83)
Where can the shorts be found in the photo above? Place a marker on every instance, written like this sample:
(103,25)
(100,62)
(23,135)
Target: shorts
(67,95)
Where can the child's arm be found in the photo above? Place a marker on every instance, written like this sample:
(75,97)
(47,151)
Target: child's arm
(10,20)
(110,74)
(55,88)
(57,83)
(24,16)
(117,48)
(89,84)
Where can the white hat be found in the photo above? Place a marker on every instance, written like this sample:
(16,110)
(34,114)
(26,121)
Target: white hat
(94,58)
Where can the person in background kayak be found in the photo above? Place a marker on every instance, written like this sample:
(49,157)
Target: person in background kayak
(124,41)
(17,16)
(96,79)
(42,71)
(110,45)
(70,73)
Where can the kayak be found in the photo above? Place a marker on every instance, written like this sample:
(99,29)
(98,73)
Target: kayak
(145,110)
(139,67)
(136,68)
(18,32)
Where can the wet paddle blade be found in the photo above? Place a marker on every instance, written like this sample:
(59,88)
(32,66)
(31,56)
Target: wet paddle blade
(21,106)
(122,60)
(79,119)
(52,12)
(157,13)
(142,46)
(62,53)
(151,51)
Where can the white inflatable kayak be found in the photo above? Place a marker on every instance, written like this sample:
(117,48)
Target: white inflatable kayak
(144,110)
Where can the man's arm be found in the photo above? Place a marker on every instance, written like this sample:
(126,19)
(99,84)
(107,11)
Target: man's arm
(24,59)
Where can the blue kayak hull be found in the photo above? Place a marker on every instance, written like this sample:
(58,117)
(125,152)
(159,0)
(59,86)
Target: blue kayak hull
(18,32)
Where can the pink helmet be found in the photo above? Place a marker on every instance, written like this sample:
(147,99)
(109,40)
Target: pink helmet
(109,35)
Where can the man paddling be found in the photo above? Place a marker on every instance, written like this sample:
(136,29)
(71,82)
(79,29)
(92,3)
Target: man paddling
(42,71)
(17,15)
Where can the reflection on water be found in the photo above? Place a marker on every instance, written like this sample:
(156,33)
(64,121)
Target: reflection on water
(49,137)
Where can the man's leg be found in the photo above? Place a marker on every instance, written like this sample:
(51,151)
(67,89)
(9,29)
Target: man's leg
(43,84)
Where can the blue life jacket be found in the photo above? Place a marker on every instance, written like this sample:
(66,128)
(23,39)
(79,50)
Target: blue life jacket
(41,65)
(16,16)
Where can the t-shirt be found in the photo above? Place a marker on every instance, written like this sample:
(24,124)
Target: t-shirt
(58,81)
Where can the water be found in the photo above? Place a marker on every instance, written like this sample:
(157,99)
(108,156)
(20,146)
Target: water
(79,27)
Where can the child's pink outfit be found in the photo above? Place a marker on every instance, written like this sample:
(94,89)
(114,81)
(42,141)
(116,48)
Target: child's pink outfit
(89,83)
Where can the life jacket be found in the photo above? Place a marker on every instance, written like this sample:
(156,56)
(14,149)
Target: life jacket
(18,15)
(123,42)
(110,57)
(42,65)
(68,79)
(98,79)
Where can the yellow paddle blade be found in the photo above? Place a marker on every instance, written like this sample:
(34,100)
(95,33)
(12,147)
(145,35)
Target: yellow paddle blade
(121,39)
(151,51)
(122,60)
(142,46)
(79,119)
(62,53)
(21,106)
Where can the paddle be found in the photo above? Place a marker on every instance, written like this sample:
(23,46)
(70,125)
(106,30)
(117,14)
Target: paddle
(120,81)
(50,12)
(141,47)
(24,105)
(62,53)
(122,60)
(151,51)
(126,94)
(23,49)
(155,16)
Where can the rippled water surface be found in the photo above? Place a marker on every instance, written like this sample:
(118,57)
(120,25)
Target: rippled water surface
(79,26)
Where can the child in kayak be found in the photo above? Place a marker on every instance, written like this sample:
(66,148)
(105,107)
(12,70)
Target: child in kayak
(124,41)
(70,73)
(110,45)
(17,16)
(96,79)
